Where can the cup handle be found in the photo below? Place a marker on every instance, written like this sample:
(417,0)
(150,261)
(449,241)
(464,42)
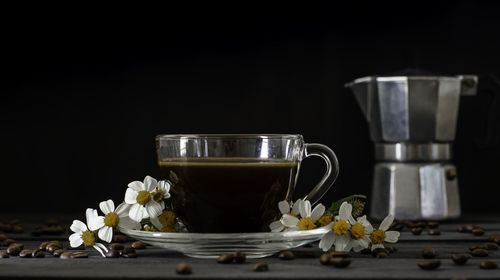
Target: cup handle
(332,170)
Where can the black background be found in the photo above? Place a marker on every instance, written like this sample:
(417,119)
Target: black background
(84,90)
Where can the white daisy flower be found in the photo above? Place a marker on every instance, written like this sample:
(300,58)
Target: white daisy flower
(307,219)
(114,217)
(286,208)
(339,235)
(162,192)
(140,196)
(360,235)
(84,233)
(380,235)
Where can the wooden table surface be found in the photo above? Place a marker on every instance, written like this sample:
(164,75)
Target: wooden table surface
(155,263)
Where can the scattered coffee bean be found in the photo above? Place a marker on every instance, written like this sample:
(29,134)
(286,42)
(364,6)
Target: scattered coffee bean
(112,254)
(57,242)
(43,246)
(65,255)
(340,262)
(493,238)
(398,227)
(3,237)
(287,255)
(14,250)
(460,259)
(478,231)
(325,259)
(17,229)
(8,242)
(381,255)
(79,255)
(391,249)
(429,265)
(225,258)
(474,247)
(128,250)
(26,253)
(462,229)
(490,246)
(468,228)
(116,246)
(38,254)
(183,268)
(139,245)
(423,224)
(339,254)
(58,252)
(119,238)
(488,264)
(69,247)
(4,255)
(432,224)
(434,231)
(416,230)
(366,251)
(51,247)
(479,253)
(429,253)
(261,266)
(239,257)
(376,251)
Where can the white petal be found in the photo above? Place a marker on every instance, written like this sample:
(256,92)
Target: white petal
(368,229)
(122,209)
(386,223)
(78,226)
(164,186)
(375,246)
(105,234)
(136,212)
(345,211)
(101,246)
(150,183)
(99,250)
(289,221)
(350,244)
(127,222)
(75,239)
(166,196)
(131,196)
(156,222)
(296,206)
(276,226)
(96,223)
(341,242)
(89,214)
(154,208)
(391,236)
(137,186)
(107,206)
(361,244)
(162,204)
(318,211)
(327,241)
(305,209)
(284,207)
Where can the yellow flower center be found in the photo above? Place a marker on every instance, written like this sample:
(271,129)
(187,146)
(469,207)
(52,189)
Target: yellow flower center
(357,231)
(111,219)
(158,195)
(88,238)
(377,236)
(341,227)
(325,220)
(306,224)
(143,197)
(168,229)
(167,218)
(150,228)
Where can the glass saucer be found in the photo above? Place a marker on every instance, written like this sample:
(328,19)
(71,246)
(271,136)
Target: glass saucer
(212,245)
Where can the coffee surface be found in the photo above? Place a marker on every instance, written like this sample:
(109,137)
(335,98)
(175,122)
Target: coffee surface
(221,195)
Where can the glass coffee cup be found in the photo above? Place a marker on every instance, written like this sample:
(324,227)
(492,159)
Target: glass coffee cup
(233,183)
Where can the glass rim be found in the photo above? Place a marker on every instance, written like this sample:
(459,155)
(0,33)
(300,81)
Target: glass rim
(227,136)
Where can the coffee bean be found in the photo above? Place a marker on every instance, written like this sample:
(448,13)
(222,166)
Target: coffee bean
(112,254)
(462,229)
(116,246)
(432,224)
(479,253)
(325,259)
(391,249)
(434,231)
(376,251)
(366,251)
(381,255)
(51,247)
(239,257)
(79,248)
(225,258)
(423,224)
(474,247)
(38,254)
(79,255)
(128,250)
(17,229)
(3,237)
(490,246)
(26,253)
(58,252)
(120,238)
(340,262)
(4,255)
(130,255)
(488,264)
(8,242)
(261,266)
(429,253)
(139,245)
(287,255)
(398,227)
(460,259)
(468,228)
(51,222)
(493,238)
(416,230)
(339,254)
(429,265)
(43,246)
(478,231)
(65,255)
(183,268)
(14,250)
(57,242)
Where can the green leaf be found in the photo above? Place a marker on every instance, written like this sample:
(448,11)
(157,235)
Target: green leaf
(356,200)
